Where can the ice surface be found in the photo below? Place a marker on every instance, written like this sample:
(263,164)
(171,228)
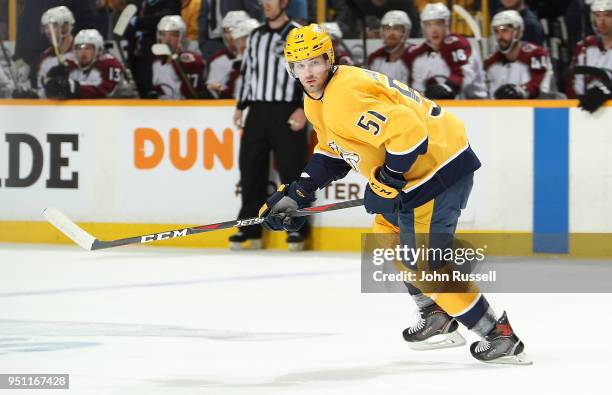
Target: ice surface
(184,321)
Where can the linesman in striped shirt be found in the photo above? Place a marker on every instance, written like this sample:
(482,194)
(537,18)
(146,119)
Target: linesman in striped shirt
(275,122)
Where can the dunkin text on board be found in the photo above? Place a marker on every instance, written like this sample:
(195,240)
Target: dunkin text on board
(184,149)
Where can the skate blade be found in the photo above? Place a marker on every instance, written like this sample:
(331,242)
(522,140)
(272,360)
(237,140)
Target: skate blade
(296,246)
(520,359)
(245,245)
(446,340)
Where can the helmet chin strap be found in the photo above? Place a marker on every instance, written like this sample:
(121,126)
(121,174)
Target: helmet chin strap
(513,43)
(601,36)
(85,68)
(402,42)
(90,65)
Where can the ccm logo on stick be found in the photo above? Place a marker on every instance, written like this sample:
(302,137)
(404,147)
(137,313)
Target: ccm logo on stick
(163,236)
(247,222)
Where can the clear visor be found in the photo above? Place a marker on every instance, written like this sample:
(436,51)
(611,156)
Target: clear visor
(85,48)
(435,21)
(169,34)
(395,28)
(308,66)
(600,22)
(503,28)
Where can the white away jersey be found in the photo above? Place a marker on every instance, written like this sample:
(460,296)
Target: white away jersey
(454,61)
(532,70)
(167,79)
(590,52)
(101,79)
(47,62)
(395,70)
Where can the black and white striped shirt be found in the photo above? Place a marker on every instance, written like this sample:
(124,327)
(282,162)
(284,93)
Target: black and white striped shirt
(264,77)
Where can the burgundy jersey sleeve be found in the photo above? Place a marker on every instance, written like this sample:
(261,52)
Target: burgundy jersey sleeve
(536,59)
(228,92)
(578,51)
(579,60)
(409,56)
(195,70)
(71,64)
(456,51)
(111,73)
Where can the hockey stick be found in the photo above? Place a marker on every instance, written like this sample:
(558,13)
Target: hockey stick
(55,43)
(596,72)
(164,50)
(90,243)
(120,27)
(473,25)
(124,19)
(9,63)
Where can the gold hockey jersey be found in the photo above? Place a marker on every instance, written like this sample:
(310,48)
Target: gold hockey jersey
(368,121)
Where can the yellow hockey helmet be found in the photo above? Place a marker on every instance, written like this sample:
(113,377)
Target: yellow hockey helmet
(308,42)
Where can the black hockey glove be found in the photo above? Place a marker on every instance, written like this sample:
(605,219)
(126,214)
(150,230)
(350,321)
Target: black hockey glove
(382,194)
(59,71)
(204,94)
(594,98)
(62,88)
(278,208)
(510,91)
(441,91)
(24,94)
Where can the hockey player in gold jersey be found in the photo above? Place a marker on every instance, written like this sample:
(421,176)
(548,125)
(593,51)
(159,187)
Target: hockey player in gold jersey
(420,168)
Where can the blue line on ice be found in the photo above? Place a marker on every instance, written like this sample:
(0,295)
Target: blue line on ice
(170,283)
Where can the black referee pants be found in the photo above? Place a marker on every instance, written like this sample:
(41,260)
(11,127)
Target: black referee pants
(266,129)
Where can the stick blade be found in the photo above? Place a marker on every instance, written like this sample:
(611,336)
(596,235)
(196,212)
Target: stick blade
(160,49)
(124,19)
(469,19)
(69,228)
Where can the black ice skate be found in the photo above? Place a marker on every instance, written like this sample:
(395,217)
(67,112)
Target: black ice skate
(434,329)
(295,241)
(501,345)
(240,241)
